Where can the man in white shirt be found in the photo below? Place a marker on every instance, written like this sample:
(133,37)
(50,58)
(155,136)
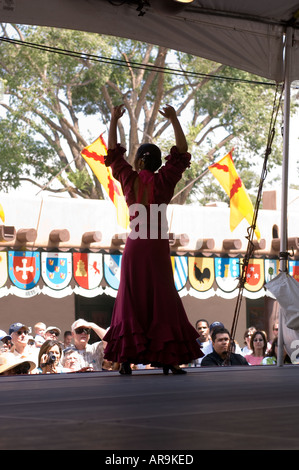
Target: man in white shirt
(92,354)
(204,340)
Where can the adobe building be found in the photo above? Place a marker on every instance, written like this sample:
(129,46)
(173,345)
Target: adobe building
(60,260)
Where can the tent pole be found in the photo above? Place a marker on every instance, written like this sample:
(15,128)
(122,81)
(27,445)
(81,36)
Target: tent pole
(285,174)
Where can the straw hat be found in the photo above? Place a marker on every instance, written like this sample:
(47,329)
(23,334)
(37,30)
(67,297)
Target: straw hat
(9,361)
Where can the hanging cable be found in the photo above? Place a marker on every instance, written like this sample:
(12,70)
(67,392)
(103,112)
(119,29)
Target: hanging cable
(251,229)
(135,65)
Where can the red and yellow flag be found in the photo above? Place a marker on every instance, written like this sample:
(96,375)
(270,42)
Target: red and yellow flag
(2,215)
(94,154)
(240,204)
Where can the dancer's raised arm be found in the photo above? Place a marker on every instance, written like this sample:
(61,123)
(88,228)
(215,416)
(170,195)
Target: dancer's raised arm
(116,114)
(170,113)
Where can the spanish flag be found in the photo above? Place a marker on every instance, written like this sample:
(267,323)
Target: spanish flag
(94,154)
(240,204)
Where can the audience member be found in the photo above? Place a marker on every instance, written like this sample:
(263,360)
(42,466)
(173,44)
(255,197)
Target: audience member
(39,333)
(247,337)
(5,341)
(218,357)
(67,339)
(31,342)
(49,357)
(93,354)
(271,357)
(12,365)
(19,337)
(52,332)
(73,361)
(208,348)
(258,345)
(275,335)
(204,340)
(202,327)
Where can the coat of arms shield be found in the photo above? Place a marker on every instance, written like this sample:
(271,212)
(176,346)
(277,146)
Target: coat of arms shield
(24,268)
(57,269)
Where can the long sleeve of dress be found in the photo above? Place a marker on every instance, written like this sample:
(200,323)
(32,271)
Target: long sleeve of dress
(164,181)
(121,169)
(171,173)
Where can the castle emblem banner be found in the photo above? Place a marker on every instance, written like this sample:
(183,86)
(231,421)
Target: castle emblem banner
(88,269)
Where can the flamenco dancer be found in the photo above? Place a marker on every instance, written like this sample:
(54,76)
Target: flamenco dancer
(149,324)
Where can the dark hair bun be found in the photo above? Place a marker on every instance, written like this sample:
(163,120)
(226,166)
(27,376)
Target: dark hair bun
(151,155)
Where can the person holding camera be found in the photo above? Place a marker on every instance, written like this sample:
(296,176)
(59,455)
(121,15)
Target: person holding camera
(49,358)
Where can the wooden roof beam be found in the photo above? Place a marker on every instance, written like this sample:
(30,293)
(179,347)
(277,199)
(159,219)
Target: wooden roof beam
(59,236)
(175,241)
(26,235)
(7,233)
(91,237)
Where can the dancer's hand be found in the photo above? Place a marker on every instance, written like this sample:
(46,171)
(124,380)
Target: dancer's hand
(118,112)
(168,112)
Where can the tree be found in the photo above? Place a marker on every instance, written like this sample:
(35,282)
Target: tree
(51,93)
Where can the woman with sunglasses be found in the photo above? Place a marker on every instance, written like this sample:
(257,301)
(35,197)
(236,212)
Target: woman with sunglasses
(258,345)
(247,337)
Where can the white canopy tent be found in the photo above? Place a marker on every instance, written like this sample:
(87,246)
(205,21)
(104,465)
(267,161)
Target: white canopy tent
(260,36)
(246,35)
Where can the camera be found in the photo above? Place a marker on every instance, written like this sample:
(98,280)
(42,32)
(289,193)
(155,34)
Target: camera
(51,358)
(50,361)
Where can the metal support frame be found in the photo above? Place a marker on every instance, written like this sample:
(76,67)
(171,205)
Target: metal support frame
(285,178)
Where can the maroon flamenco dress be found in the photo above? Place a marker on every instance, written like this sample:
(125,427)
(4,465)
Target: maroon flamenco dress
(149,324)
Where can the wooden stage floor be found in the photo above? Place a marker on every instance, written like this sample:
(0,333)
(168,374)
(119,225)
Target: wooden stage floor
(209,408)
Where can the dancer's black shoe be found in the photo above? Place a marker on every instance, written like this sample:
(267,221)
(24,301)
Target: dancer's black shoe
(125,369)
(174,369)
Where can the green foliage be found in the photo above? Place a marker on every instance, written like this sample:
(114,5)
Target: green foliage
(50,94)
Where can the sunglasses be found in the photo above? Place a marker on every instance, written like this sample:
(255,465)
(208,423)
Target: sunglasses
(22,332)
(81,330)
(53,332)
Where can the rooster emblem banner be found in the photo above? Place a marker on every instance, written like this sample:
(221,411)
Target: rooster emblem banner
(201,273)
(94,154)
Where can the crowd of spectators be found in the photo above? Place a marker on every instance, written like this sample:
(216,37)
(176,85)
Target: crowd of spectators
(44,350)
(219,350)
